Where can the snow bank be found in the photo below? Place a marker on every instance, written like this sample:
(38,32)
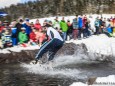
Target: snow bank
(95,44)
(5,51)
(100,81)
(98,44)
(52,19)
(91,17)
(78,84)
(109,79)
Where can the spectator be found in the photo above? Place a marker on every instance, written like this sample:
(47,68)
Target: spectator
(23,38)
(80,26)
(84,20)
(75,28)
(1,45)
(70,28)
(1,28)
(108,30)
(112,23)
(33,40)
(56,24)
(6,39)
(37,25)
(64,28)
(6,24)
(40,36)
(97,25)
(14,33)
(27,25)
(19,26)
(102,25)
(86,32)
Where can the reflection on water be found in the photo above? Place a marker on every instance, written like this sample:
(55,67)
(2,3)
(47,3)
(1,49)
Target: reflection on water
(14,75)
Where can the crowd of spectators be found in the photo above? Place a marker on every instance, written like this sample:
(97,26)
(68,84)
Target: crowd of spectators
(25,33)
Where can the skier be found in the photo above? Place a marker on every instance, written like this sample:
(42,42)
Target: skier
(53,44)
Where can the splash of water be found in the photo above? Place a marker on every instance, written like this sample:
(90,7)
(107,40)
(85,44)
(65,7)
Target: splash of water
(57,68)
(46,70)
(60,66)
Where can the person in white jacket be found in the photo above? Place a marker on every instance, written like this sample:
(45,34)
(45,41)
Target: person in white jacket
(53,44)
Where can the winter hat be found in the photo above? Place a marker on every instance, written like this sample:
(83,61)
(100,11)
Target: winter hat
(47,25)
(48,21)
(21,20)
(6,21)
(11,25)
(27,20)
(23,28)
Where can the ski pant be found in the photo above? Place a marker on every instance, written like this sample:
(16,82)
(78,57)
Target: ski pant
(75,33)
(80,32)
(97,30)
(52,47)
(86,32)
(107,33)
(64,35)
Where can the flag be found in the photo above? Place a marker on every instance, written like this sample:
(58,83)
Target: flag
(2,14)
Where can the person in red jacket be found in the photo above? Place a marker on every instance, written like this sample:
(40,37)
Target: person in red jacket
(1,28)
(84,20)
(40,36)
(33,40)
(37,25)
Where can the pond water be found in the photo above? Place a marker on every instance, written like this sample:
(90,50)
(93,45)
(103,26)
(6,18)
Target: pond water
(63,73)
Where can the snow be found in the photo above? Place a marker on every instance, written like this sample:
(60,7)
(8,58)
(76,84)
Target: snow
(108,79)
(18,49)
(78,84)
(98,44)
(100,81)
(41,20)
(5,51)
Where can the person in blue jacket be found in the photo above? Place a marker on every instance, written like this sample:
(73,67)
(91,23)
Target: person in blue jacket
(108,29)
(28,27)
(80,26)
(53,44)
(14,36)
